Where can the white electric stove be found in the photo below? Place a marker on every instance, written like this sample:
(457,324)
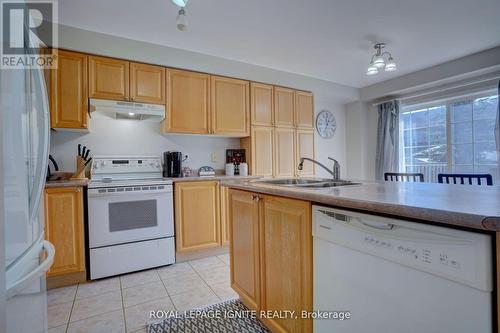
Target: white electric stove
(130,209)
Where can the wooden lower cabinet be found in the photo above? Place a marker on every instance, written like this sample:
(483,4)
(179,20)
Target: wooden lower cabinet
(271,250)
(244,247)
(197,215)
(65,230)
(224,215)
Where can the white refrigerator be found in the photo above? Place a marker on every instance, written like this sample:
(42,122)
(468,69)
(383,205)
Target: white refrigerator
(25,256)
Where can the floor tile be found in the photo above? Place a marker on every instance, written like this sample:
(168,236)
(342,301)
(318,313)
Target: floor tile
(135,279)
(194,299)
(112,322)
(61,295)
(182,268)
(183,283)
(206,263)
(224,291)
(225,258)
(142,330)
(91,306)
(143,293)
(215,275)
(59,314)
(137,316)
(98,287)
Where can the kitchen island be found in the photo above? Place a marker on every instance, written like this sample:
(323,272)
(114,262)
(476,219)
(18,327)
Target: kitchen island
(271,245)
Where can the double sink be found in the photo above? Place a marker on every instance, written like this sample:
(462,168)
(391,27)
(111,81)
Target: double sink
(307,183)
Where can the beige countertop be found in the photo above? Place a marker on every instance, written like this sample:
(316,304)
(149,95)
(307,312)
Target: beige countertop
(456,205)
(63,179)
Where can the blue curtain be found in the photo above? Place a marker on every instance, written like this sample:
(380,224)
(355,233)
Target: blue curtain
(387,159)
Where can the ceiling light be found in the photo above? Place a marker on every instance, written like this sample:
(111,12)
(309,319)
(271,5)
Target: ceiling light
(181,20)
(131,114)
(372,70)
(390,66)
(180,3)
(378,61)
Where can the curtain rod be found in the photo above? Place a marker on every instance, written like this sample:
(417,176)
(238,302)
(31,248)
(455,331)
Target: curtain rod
(444,88)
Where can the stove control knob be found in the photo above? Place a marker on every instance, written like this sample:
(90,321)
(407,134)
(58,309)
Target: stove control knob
(96,165)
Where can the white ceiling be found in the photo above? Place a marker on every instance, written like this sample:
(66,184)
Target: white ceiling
(327,39)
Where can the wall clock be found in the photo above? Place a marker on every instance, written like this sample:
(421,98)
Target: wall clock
(326,124)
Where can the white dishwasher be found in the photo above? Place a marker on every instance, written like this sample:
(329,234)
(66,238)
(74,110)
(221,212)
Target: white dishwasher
(395,276)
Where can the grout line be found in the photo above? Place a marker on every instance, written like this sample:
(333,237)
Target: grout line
(123,304)
(168,294)
(202,279)
(72,307)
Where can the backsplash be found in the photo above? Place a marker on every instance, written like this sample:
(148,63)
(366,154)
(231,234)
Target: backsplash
(129,137)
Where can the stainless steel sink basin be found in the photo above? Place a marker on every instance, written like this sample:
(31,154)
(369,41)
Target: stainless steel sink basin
(291,181)
(307,183)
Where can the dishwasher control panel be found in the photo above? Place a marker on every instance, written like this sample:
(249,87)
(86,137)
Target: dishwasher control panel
(450,253)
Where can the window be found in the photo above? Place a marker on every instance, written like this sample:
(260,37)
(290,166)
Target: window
(455,136)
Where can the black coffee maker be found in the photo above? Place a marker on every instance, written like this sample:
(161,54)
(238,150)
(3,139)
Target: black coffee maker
(172,164)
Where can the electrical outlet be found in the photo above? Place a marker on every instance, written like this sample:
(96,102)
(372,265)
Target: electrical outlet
(214,157)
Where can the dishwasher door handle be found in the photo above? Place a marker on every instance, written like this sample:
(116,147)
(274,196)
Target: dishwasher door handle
(378,225)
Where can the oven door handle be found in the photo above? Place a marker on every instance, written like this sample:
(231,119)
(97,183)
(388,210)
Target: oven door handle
(95,194)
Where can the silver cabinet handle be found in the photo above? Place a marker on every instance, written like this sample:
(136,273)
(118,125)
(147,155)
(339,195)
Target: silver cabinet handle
(325,227)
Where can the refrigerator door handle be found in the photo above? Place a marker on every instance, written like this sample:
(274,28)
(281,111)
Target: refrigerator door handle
(36,273)
(45,139)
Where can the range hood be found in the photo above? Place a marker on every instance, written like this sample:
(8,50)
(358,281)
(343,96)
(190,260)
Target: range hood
(127,110)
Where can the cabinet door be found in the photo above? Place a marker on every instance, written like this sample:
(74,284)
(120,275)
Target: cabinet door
(261,104)
(68,91)
(188,102)
(284,155)
(197,217)
(230,106)
(147,83)
(108,78)
(305,148)
(64,229)
(304,110)
(224,214)
(244,247)
(262,151)
(286,261)
(284,106)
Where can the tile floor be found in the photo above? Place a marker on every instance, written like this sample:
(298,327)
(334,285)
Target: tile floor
(122,304)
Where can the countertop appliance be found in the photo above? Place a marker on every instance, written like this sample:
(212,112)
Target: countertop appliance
(172,161)
(130,215)
(206,171)
(235,156)
(396,276)
(25,256)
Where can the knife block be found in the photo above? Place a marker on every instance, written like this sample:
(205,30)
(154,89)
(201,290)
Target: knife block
(80,169)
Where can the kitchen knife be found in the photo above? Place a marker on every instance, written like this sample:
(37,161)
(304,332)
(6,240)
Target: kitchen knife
(79,150)
(86,154)
(88,161)
(83,151)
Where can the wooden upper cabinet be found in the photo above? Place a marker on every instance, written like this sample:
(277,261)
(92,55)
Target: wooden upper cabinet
(284,106)
(147,83)
(69,91)
(188,102)
(262,151)
(286,262)
(108,78)
(64,229)
(305,148)
(284,154)
(230,106)
(261,104)
(244,247)
(197,215)
(304,109)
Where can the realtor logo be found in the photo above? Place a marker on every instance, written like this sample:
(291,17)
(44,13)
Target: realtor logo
(29,34)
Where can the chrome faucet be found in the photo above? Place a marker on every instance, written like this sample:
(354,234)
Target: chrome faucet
(335,172)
